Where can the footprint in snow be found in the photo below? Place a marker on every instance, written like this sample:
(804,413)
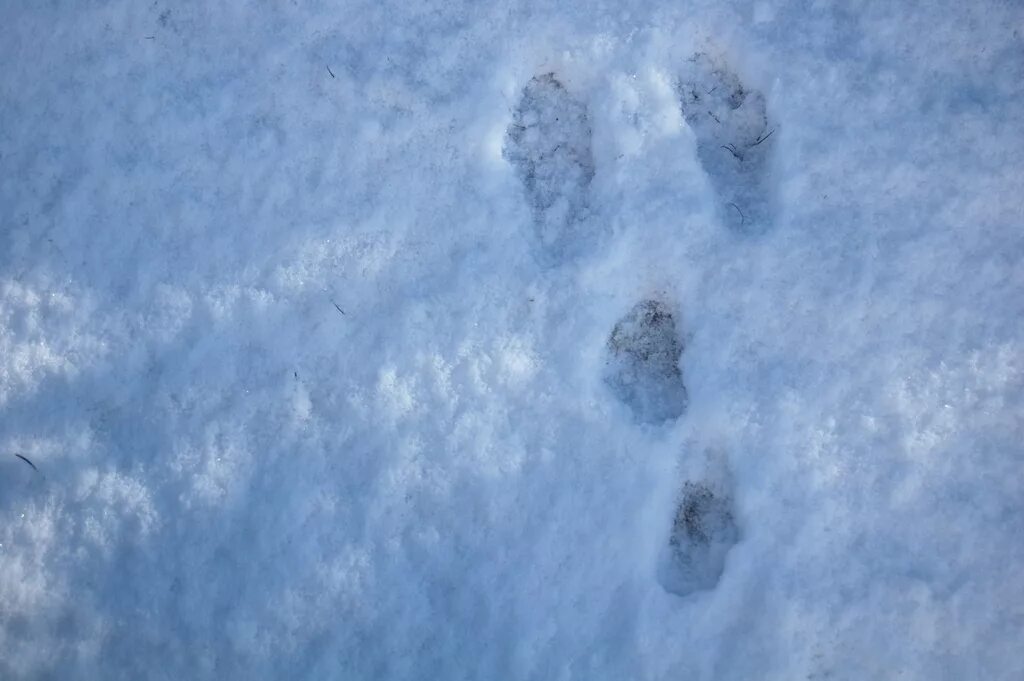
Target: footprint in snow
(549,145)
(643,371)
(703,531)
(734,140)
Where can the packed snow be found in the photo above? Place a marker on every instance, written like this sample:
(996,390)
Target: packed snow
(512,340)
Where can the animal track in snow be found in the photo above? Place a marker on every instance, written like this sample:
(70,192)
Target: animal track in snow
(643,371)
(549,145)
(734,139)
(703,532)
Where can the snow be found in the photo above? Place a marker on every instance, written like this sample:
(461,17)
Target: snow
(321,384)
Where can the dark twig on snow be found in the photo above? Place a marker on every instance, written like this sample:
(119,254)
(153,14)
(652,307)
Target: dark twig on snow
(150,37)
(28,462)
(762,139)
(337,307)
(743,218)
(715,117)
(330,72)
(732,150)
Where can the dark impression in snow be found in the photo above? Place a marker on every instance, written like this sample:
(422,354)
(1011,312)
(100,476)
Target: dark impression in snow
(643,371)
(549,145)
(734,140)
(703,531)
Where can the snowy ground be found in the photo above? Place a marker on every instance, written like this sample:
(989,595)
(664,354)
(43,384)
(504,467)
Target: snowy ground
(467,340)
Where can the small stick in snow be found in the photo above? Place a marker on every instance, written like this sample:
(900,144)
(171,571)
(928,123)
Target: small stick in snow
(732,150)
(150,37)
(715,117)
(762,139)
(743,218)
(337,307)
(28,462)
(330,72)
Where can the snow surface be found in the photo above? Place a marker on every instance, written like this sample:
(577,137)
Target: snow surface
(316,380)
